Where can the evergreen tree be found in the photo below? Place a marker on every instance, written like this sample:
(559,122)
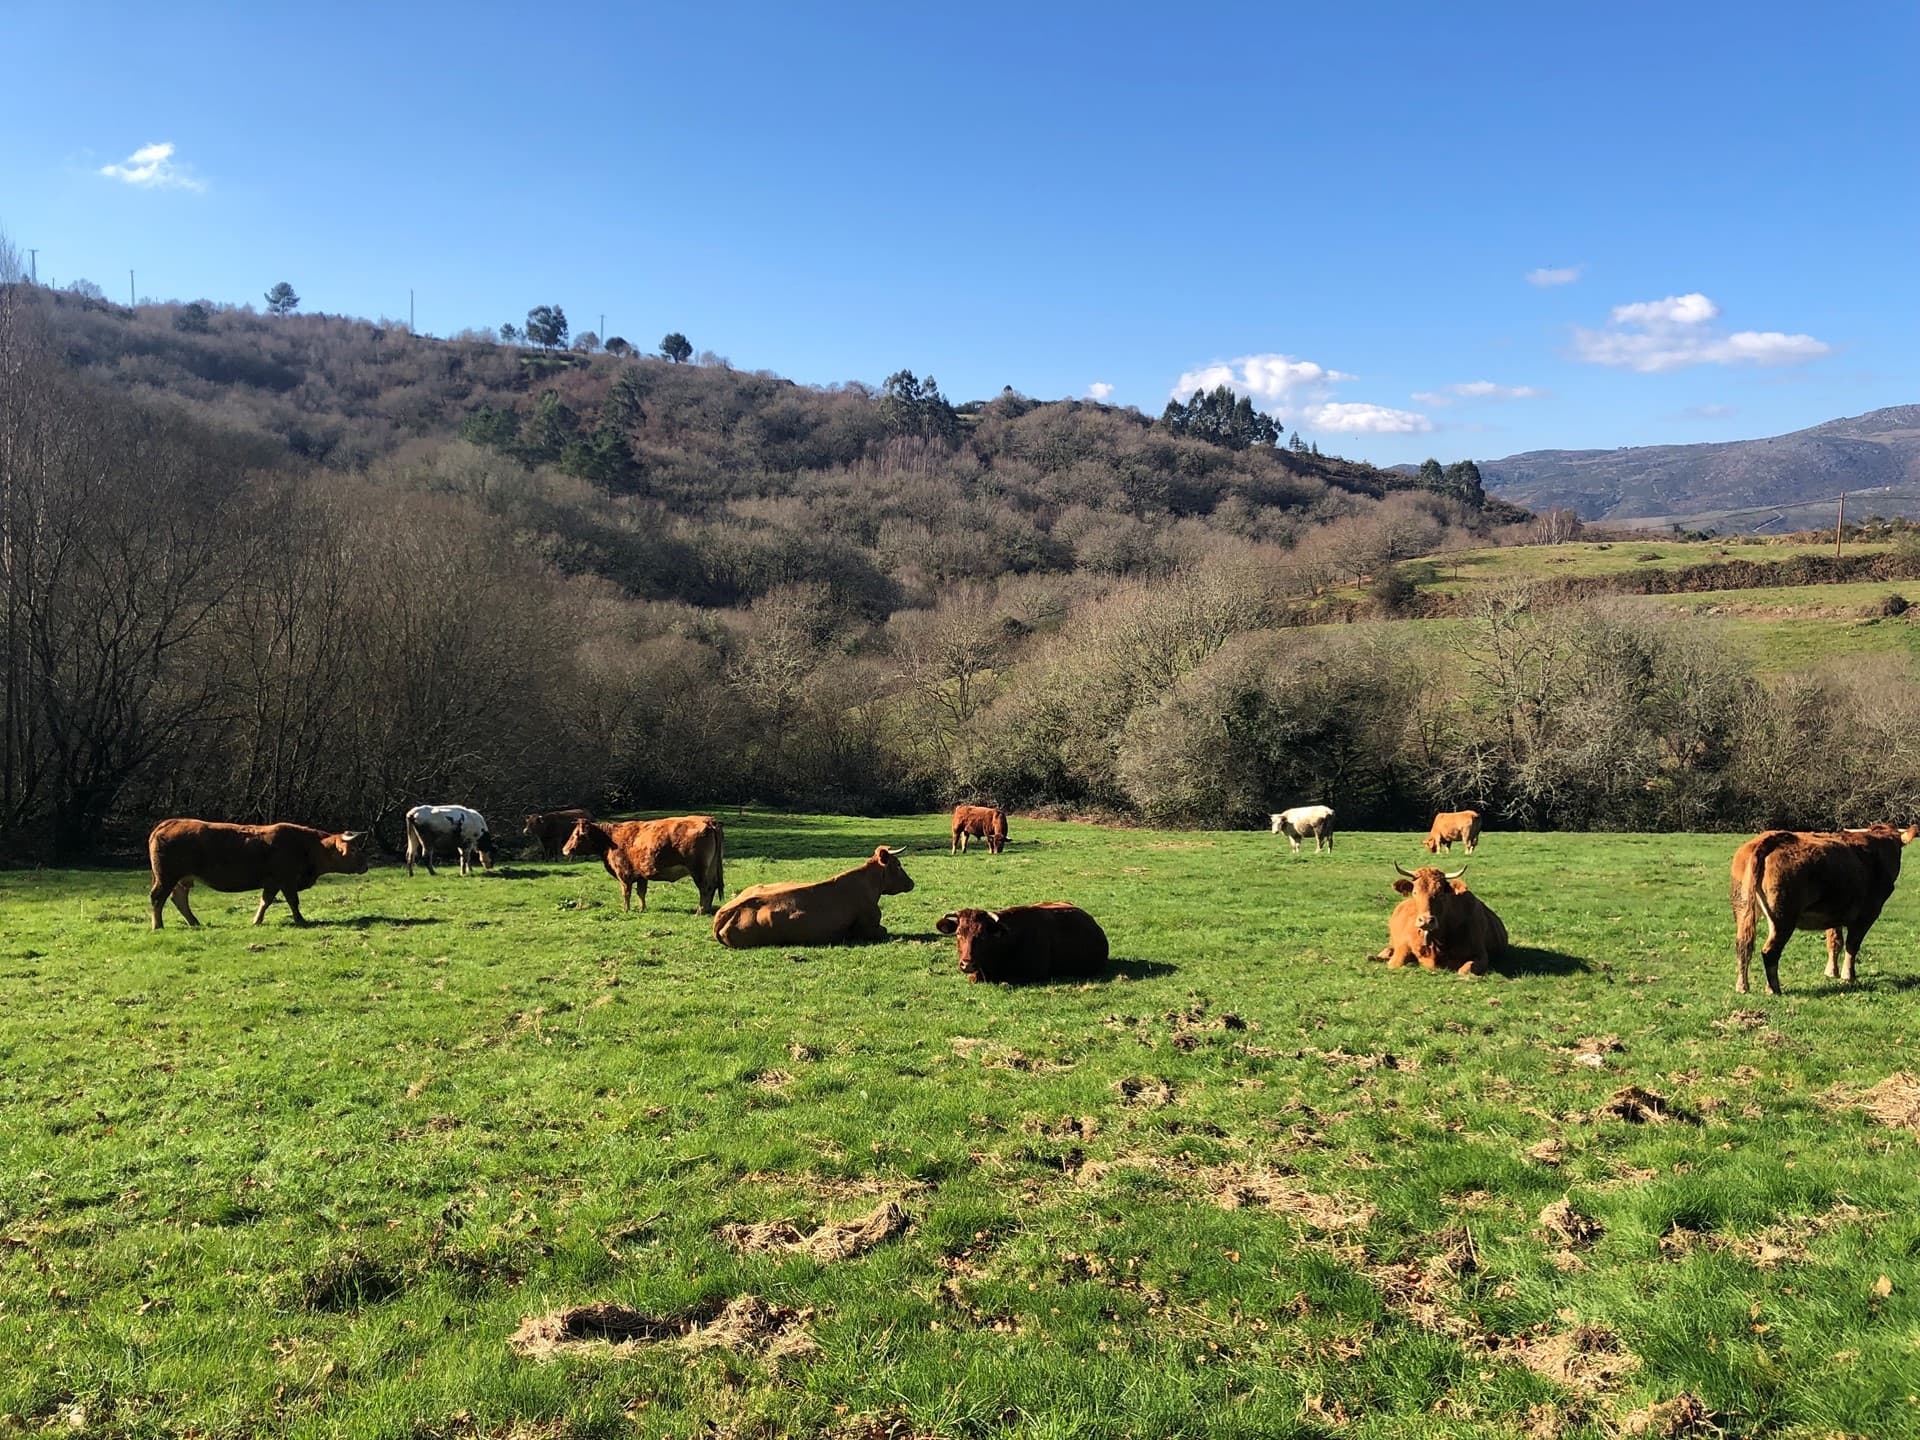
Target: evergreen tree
(281,300)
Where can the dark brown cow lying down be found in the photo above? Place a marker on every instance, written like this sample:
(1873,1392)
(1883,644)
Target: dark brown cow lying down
(552,827)
(1803,880)
(1027,943)
(636,851)
(273,859)
(1441,924)
(820,912)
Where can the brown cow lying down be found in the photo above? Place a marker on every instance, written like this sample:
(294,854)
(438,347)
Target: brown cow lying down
(273,859)
(1027,942)
(1441,925)
(982,822)
(822,912)
(552,827)
(636,851)
(1452,825)
(1804,880)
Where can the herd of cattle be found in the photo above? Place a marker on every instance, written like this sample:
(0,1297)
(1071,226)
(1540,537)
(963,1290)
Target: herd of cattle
(1833,880)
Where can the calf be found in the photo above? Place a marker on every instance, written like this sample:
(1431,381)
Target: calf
(550,828)
(1027,942)
(636,851)
(1303,821)
(981,822)
(1441,925)
(821,912)
(1812,880)
(273,859)
(432,827)
(1452,825)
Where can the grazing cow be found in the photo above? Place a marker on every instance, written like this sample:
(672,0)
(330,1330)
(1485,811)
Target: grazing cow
(433,827)
(273,859)
(1304,820)
(1442,925)
(823,912)
(636,851)
(550,828)
(1027,942)
(982,822)
(1802,880)
(1452,825)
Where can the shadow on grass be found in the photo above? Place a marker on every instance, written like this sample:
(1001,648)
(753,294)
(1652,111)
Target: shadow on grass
(1531,960)
(367,922)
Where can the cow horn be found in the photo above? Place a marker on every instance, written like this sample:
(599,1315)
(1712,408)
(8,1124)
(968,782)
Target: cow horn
(351,835)
(1407,873)
(1458,873)
(894,849)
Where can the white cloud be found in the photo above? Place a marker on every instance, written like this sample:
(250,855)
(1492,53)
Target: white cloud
(152,167)
(1299,393)
(1548,275)
(1478,390)
(1709,412)
(1099,390)
(1655,335)
(1360,419)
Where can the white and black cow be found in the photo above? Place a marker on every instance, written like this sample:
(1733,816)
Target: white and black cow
(435,827)
(1305,820)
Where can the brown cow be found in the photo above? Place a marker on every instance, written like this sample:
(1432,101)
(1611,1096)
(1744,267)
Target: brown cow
(822,912)
(983,822)
(1441,924)
(552,827)
(636,851)
(1027,942)
(273,859)
(1811,879)
(1452,825)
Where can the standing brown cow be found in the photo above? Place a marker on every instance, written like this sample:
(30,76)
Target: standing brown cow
(636,851)
(822,912)
(273,859)
(1452,825)
(982,822)
(552,827)
(1441,925)
(1802,880)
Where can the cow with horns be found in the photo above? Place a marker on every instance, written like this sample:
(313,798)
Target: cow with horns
(1441,925)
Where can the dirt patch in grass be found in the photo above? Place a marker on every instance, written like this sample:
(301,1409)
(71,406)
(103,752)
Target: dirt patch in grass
(745,1325)
(1146,1091)
(773,1080)
(994,1055)
(826,1187)
(1550,1151)
(1586,1359)
(1593,1050)
(1424,1290)
(832,1242)
(1568,1226)
(1067,1127)
(1235,1187)
(1743,1020)
(1638,1106)
(1675,1419)
(1894,1102)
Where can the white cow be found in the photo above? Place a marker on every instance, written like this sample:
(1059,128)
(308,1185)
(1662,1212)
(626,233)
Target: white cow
(434,827)
(1303,820)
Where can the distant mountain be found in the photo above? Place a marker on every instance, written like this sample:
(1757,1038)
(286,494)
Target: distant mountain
(1774,484)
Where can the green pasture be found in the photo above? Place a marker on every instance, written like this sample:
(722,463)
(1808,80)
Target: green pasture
(1251,1183)
(1464,571)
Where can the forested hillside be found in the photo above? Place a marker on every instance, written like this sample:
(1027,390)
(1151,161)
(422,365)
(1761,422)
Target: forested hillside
(303,567)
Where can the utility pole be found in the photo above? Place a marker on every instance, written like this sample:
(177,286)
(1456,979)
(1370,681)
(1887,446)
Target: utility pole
(603,327)
(130,289)
(410,312)
(1839,524)
(33,259)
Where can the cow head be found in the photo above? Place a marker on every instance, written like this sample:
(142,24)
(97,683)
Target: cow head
(1431,845)
(980,933)
(1433,893)
(893,879)
(351,846)
(586,838)
(533,825)
(483,847)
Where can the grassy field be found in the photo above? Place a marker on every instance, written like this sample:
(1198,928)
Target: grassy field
(1465,571)
(310,1182)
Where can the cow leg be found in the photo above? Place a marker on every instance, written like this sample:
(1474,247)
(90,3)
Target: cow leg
(157,898)
(180,901)
(640,887)
(626,896)
(1396,959)
(1294,840)
(953,845)
(1777,937)
(293,904)
(266,899)
(1833,954)
(867,928)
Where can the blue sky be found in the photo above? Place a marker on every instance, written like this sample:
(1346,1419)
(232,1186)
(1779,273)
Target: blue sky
(1337,207)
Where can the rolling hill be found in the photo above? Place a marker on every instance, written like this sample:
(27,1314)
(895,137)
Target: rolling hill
(1769,484)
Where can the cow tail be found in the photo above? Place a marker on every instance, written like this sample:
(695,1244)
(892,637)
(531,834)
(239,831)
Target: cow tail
(416,846)
(1749,893)
(719,876)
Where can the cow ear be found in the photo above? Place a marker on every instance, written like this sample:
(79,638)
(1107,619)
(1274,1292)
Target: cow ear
(1405,887)
(1459,887)
(948,924)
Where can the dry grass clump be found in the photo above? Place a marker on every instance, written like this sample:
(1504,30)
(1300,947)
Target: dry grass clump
(831,1242)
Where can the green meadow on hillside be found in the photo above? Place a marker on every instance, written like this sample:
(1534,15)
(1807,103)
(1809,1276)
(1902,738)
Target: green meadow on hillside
(1463,572)
(1251,1183)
